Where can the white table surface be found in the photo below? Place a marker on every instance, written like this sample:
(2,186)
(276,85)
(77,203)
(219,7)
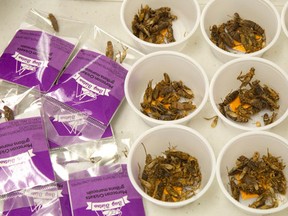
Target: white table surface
(106,15)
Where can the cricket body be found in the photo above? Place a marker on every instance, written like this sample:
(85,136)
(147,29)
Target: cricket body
(54,22)
(110,50)
(8,113)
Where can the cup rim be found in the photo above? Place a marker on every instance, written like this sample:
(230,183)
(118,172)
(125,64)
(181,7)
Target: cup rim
(203,190)
(163,122)
(283,15)
(230,122)
(237,55)
(152,45)
(222,186)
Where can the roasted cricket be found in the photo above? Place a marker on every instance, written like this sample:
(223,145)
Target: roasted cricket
(54,22)
(258,177)
(168,100)
(154,26)
(238,35)
(249,99)
(7,113)
(109,52)
(172,177)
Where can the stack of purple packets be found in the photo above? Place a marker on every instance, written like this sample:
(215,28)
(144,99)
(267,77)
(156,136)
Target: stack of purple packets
(60,105)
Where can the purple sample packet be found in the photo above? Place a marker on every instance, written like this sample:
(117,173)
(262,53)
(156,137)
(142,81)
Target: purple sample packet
(94,89)
(111,194)
(62,185)
(38,201)
(94,85)
(34,58)
(24,158)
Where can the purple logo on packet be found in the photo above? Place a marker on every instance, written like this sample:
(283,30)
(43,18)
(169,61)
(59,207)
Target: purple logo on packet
(87,91)
(26,65)
(111,194)
(34,58)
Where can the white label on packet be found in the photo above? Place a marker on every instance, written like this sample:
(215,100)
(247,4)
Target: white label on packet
(102,206)
(17,159)
(70,118)
(73,120)
(42,194)
(91,86)
(29,61)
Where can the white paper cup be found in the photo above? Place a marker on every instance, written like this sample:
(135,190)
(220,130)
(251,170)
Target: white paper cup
(152,67)
(261,12)
(188,18)
(159,139)
(246,144)
(225,80)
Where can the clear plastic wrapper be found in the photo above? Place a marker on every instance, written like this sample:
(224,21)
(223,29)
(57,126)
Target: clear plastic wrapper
(67,126)
(87,159)
(37,201)
(123,141)
(40,49)
(23,103)
(24,158)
